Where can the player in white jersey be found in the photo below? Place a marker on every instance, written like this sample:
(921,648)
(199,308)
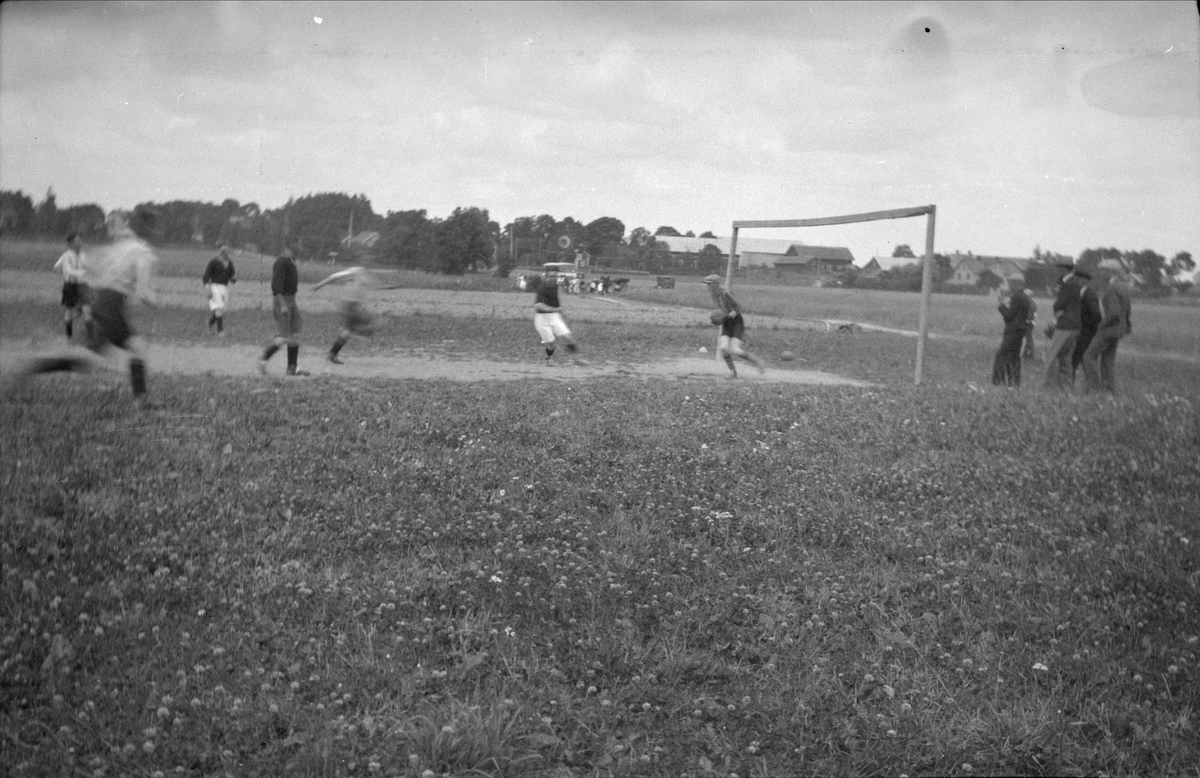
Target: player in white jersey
(126,271)
(75,297)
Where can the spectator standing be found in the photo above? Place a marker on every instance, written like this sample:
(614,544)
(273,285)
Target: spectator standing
(1030,352)
(217,277)
(1064,331)
(1014,310)
(285,280)
(1089,318)
(75,296)
(1099,360)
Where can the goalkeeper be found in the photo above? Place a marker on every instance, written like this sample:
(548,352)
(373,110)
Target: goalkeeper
(732,341)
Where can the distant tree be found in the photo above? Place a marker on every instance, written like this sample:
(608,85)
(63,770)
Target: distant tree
(406,241)
(903,250)
(689,234)
(461,239)
(544,226)
(1150,265)
(1181,263)
(707,234)
(670,232)
(46,215)
(16,212)
(602,235)
(640,236)
(1043,276)
(572,229)
(319,223)
(711,260)
(87,219)
(942,269)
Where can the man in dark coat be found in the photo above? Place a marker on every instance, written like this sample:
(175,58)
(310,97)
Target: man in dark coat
(1014,309)
(1068,314)
(1089,319)
(1099,361)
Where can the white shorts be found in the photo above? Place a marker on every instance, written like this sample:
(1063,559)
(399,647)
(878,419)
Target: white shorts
(550,326)
(732,346)
(218,297)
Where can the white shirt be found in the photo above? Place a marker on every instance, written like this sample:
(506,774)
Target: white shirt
(73,265)
(128,267)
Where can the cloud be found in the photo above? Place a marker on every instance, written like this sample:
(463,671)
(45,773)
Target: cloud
(1155,85)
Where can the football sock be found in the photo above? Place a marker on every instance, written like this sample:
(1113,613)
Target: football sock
(549,351)
(337,346)
(293,357)
(137,376)
(70,329)
(270,351)
(220,324)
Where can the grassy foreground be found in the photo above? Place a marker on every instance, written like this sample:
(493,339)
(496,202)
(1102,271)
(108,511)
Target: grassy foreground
(609,577)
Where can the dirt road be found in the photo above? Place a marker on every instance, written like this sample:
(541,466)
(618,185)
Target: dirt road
(233,360)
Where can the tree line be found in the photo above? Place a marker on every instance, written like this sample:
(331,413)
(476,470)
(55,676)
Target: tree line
(337,225)
(1156,274)
(329,225)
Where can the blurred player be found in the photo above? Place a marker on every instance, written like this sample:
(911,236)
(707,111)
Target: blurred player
(356,319)
(217,277)
(285,280)
(548,320)
(73,264)
(126,271)
(731,343)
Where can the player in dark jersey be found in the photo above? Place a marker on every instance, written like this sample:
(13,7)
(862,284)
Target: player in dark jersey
(548,319)
(731,342)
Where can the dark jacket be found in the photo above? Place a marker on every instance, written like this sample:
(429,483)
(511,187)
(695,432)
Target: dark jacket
(1068,305)
(1116,311)
(1016,313)
(218,272)
(285,279)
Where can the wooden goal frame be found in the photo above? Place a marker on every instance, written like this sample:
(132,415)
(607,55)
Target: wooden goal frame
(929,211)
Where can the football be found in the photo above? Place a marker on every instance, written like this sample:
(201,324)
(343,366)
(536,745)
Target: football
(787,356)
(717,316)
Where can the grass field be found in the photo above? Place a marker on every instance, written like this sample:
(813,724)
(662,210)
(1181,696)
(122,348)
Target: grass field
(603,577)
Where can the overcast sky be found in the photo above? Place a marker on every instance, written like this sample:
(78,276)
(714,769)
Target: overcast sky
(1064,125)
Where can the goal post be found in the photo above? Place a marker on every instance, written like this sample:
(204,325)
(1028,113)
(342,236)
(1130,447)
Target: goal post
(929,211)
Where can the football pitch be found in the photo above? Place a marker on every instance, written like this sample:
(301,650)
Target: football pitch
(393,568)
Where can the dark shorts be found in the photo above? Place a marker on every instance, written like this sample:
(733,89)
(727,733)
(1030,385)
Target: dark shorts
(110,321)
(734,327)
(74,294)
(286,324)
(358,319)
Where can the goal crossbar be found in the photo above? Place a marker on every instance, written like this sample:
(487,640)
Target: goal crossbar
(898,213)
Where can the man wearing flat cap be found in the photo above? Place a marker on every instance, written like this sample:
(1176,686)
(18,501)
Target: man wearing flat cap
(731,342)
(1068,319)
(1099,360)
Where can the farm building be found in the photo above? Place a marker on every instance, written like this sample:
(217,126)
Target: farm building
(769,253)
(967,269)
(878,265)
